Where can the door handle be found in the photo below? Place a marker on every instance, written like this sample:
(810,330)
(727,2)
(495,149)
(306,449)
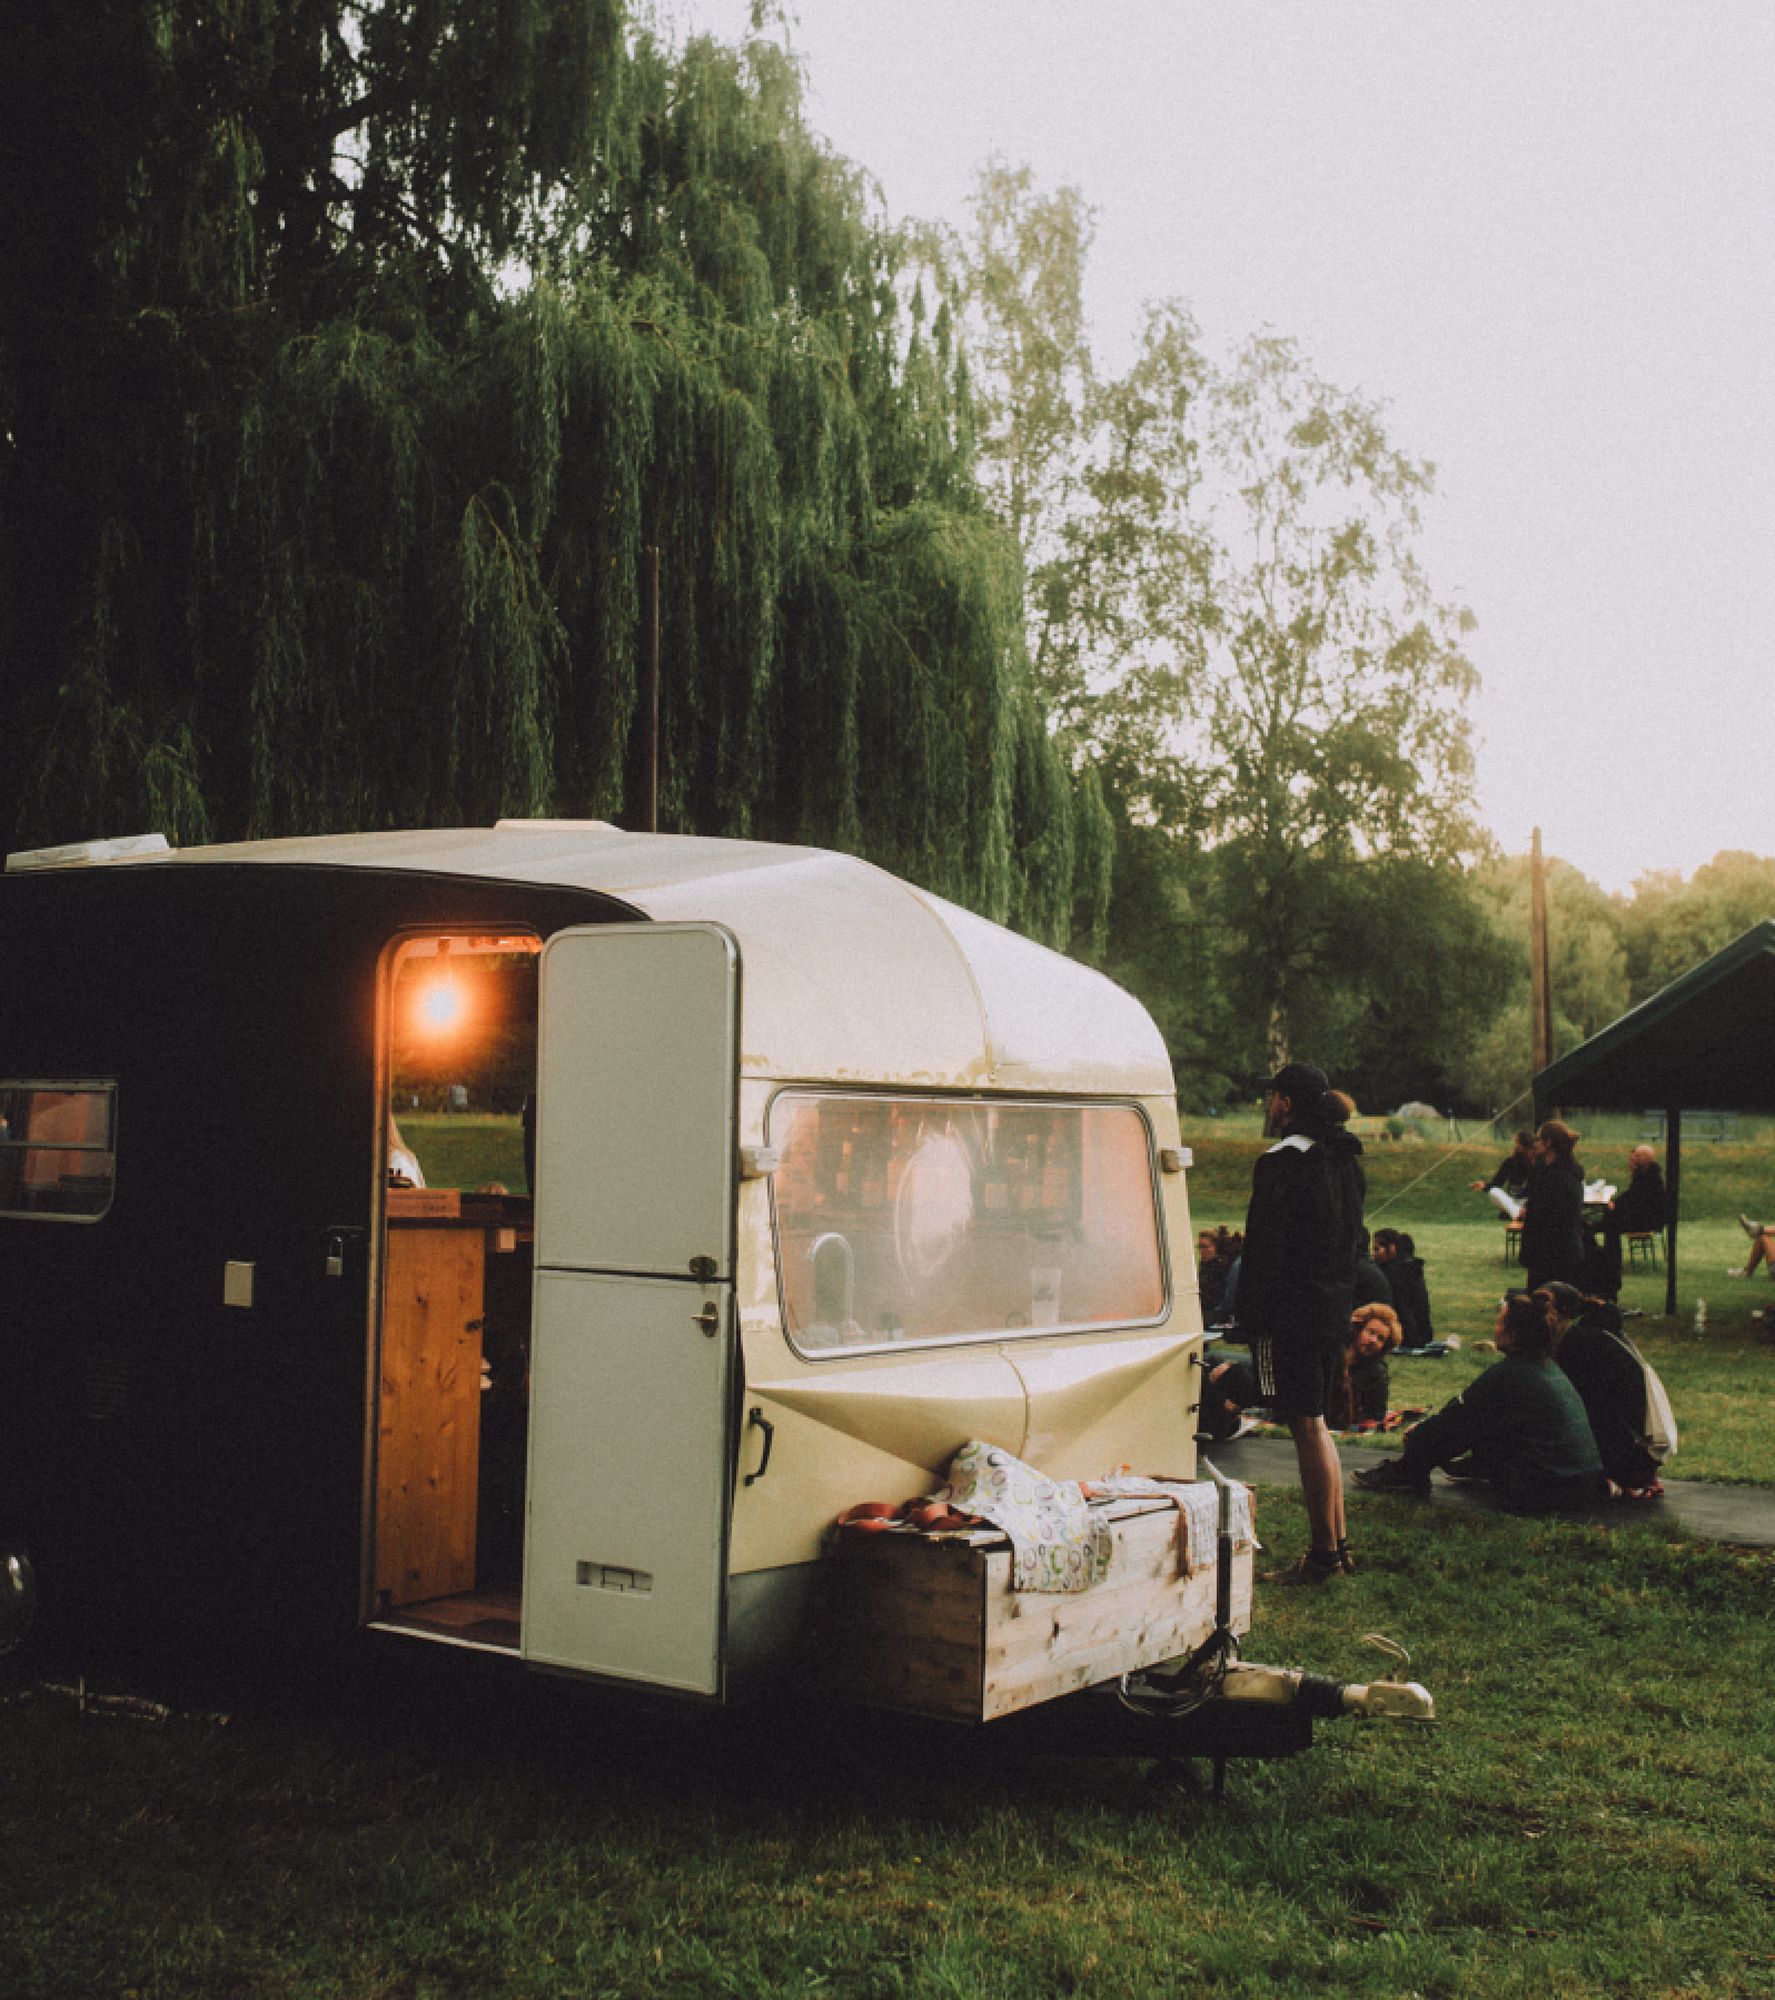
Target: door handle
(709,1319)
(757,1420)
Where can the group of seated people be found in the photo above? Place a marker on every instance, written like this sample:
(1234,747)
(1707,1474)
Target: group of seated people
(1558,1421)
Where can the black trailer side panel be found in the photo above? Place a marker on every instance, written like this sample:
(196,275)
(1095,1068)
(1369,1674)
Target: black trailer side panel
(182,1466)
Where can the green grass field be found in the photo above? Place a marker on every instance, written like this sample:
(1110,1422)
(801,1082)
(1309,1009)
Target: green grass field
(1588,1821)
(1589,1818)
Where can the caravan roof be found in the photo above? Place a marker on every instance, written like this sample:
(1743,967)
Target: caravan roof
(849,973)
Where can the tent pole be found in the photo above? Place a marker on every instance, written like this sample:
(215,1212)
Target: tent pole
(1673,1164)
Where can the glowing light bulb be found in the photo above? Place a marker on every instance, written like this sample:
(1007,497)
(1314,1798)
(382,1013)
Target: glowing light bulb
(442,1005)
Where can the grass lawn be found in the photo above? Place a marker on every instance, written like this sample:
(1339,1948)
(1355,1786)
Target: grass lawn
(468,1150)
(1588,1819)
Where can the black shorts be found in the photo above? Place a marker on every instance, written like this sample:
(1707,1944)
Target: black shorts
(1295,1376)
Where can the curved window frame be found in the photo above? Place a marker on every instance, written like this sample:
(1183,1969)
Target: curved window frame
(996,1337)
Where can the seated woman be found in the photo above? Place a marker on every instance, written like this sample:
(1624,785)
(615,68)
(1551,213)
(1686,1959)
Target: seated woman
(1358,1393)
(1610,1379)
(1521,1425)
(1359,1388)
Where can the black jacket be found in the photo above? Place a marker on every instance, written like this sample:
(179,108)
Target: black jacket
(1373,1287)
(1411,1300)
(1298,1273)
(1552,1223)
(1512,1173)
(1641,1203)
(1612,1387)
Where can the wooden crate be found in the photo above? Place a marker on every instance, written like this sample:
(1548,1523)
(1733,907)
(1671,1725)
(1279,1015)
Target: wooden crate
(930,1625)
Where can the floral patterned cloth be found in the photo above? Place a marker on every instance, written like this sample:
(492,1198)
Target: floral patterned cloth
(1198,1506)
(1057,1542)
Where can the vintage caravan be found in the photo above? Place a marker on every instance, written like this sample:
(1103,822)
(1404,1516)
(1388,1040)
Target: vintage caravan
(531,1239)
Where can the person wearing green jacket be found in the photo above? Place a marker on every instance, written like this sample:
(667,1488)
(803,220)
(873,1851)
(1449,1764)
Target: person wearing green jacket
(1521,1426)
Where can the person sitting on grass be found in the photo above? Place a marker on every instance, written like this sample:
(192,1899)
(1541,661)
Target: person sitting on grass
(1762,1248)
(1605,1368)
(1397,1255)
(1356,1396)
(1372,1287)
(1359,1388)
(1520,1425)
(1228,1391)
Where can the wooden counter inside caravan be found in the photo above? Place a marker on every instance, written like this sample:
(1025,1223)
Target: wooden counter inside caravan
(436,1267)
(929,1624)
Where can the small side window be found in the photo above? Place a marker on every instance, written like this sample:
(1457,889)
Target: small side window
(58,1150)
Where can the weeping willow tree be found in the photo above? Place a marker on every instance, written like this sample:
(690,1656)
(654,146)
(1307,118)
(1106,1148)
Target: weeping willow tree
(350,355)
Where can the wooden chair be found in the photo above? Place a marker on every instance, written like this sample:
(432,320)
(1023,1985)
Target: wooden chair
(1512,1242)
(1642,1248)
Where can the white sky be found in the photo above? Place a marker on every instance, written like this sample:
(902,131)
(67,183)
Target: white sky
(1543,235)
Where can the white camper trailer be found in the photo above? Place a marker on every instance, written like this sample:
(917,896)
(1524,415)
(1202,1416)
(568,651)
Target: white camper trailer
(811,1178)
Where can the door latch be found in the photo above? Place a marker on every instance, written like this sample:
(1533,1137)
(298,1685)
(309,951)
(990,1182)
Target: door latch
(337,1239)
(709,1319)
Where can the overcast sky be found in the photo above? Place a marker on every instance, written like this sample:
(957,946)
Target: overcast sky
(1543,235)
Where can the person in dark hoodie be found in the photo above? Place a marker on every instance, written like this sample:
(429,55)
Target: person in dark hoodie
(1373,1286)
(1296,1284)
(1553,1210)
(1605,1369)
(1397,1255)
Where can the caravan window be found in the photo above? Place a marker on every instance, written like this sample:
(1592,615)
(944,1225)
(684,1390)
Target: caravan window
(57,1150)
(917,1218)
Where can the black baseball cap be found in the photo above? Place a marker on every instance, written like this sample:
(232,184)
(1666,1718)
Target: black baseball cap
(1299,1082)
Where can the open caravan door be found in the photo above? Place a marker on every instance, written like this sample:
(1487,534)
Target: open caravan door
(625,1553)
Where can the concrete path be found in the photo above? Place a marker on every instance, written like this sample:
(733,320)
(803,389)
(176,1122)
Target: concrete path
(1742,1515)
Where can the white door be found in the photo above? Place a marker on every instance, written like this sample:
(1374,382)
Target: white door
(625,1554)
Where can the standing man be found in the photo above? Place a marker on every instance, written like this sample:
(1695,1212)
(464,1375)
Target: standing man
(1296,1282)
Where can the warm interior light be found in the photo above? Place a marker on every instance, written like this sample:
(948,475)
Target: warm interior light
(440,1002)
(441,1005)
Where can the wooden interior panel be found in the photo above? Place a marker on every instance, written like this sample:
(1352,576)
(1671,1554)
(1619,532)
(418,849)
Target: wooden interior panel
(429,1427)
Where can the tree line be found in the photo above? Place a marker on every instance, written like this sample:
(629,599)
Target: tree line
(353,351)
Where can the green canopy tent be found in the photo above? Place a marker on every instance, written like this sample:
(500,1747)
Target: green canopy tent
(1703,1040)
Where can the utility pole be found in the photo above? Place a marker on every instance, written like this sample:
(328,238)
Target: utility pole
(1540,995)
